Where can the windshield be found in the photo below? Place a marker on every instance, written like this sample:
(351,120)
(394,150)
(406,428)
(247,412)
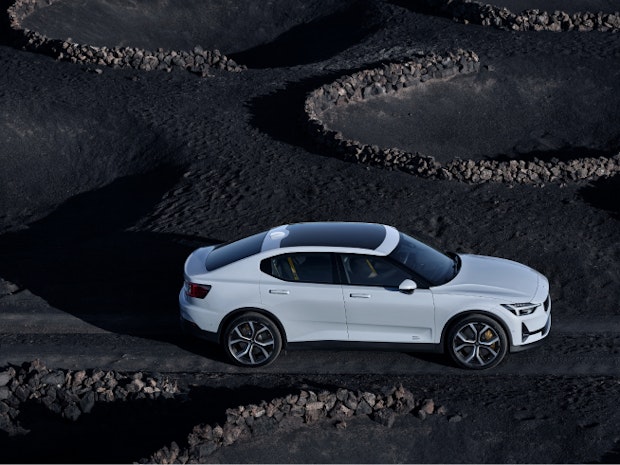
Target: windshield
(432,265)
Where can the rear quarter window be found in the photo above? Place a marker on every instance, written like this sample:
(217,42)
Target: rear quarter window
(234,251)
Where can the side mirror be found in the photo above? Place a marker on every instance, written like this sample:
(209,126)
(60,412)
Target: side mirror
(407,286)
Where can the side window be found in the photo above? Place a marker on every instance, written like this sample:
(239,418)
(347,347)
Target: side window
(307,267)
(368,270)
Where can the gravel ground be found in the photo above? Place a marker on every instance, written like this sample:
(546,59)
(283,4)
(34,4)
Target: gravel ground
(111,177)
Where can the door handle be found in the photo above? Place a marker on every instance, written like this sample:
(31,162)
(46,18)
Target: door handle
(279,291)
(360,296)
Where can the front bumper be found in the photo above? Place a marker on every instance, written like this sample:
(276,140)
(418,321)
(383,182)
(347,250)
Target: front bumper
(533,329)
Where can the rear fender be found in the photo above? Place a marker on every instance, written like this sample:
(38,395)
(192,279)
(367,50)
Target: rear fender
(232,315)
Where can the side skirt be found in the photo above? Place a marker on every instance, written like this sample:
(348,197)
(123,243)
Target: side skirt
(356,345)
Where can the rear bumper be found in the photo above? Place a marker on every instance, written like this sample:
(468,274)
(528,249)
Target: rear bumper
(192,328)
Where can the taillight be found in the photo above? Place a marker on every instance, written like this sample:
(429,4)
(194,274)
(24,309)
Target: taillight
(198,291)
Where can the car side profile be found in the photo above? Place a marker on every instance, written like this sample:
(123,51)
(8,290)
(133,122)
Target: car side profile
(359,285)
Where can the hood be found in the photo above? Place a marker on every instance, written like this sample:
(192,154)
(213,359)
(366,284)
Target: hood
(496,277)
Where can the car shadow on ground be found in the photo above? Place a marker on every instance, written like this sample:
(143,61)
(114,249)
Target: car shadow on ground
(434,358)
(83,260)
(123,431)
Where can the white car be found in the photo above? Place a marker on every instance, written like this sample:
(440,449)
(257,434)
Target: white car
(360,285)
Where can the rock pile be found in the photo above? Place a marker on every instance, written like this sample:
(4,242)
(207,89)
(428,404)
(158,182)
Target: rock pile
(198,60)
(72,393)
(485,14)
(394,77)
(294,410)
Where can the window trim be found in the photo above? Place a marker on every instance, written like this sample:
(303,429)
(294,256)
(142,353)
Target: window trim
(336,278)
(421,282)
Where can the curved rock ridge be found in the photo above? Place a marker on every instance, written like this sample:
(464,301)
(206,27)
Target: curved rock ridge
(295,410)
(71,394)
(486,14)
(391,78)
(197,60)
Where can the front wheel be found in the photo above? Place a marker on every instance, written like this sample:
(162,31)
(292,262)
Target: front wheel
(252,340)
(477,342)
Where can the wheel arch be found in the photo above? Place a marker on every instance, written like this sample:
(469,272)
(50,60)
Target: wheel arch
(465,314)
(240,311)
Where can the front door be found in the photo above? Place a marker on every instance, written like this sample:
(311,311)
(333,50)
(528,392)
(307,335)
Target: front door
(376,311)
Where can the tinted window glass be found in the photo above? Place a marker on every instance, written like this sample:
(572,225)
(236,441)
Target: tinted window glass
(359,235)
(367,270)
(302,267)
(234,251)
(427,262)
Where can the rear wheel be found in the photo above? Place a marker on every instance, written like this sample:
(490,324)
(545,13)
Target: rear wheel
(252,340)
(477,342)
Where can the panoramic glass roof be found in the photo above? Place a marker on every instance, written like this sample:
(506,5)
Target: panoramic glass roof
(357,235)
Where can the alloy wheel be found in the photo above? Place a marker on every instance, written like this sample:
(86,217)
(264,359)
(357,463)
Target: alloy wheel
(252,342)
(477,344)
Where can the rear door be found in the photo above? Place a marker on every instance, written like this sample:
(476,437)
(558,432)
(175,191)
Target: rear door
(302,291)
(376,310)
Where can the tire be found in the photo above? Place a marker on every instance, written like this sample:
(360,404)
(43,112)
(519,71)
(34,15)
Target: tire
(252,340)
(477,342)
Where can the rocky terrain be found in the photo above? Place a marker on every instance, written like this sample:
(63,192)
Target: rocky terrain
(133,134)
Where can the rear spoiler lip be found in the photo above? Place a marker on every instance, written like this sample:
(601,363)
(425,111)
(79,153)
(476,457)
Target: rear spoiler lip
(195,262)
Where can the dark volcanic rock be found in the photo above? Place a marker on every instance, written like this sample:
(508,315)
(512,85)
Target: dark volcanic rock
(384,416)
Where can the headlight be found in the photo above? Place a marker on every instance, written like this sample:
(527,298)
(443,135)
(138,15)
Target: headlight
(521,309)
